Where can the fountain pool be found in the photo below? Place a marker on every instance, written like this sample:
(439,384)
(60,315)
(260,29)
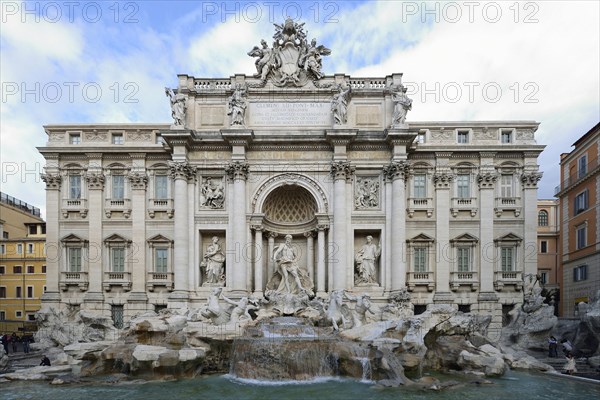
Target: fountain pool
(224,387)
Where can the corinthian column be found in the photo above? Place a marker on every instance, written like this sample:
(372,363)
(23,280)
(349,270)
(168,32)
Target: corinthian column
(181,172)
(259,263)
(238,173)
(442,180)
(396,172)
(138,182)
(530,180)
(53,182)
(341,172)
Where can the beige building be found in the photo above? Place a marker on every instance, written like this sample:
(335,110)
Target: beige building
(579,195)
(133,210)
(22,263)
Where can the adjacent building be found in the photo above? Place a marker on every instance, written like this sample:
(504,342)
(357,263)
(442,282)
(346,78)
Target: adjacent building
(136,211)
(548,248)
(22,263)
(579,195)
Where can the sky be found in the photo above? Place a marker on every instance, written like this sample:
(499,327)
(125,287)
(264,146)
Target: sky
(109,61)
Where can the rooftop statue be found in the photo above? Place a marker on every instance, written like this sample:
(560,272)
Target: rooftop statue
(178,107)
(291,61)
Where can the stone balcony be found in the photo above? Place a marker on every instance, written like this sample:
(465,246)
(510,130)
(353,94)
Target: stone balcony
(458,279)
(74,205)
(155,279)
(414,279)
(464,204)
(508,204)
(505,278)
(122,279)
(117,205)
(79,279)
(420,204)
(160,205)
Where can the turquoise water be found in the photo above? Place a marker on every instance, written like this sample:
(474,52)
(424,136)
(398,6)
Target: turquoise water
(512,385)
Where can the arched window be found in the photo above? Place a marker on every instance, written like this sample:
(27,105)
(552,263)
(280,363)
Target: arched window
(543,218)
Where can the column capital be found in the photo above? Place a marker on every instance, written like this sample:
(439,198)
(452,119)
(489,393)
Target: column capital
(95,180)
(486,180)
(237,170)
(531,179)
(341,170)
(52,181)
(257,228)
(309,234)
(273,235)
(442,180)
(322,227)
(138,180)
(396,170)
(182,170)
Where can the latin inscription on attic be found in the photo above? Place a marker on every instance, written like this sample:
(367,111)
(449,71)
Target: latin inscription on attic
(290,114)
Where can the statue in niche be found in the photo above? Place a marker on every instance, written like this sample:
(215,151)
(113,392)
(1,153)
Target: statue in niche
(310,59)
(366,259)
(211,194)
(367,193)
(213,262)
(238,102)
(289,277)
(402,104)
(178,107)
(363,305)
(265,61)
(339,105)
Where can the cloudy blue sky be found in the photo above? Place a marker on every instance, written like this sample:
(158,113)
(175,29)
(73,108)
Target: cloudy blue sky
(85,62)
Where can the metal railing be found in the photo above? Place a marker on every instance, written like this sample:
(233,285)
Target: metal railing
(577,176)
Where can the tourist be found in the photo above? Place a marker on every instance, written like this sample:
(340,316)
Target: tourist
(552,347)
(45,361)
(570,365)
(567,347)
(26,339)
(14,339)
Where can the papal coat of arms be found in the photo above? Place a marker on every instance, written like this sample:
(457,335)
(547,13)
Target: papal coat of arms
(291,61)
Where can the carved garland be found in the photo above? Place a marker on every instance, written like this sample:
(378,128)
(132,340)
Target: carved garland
(137,180)
(95,180)
(487,179)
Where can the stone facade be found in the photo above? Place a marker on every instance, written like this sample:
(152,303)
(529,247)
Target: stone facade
(451,204)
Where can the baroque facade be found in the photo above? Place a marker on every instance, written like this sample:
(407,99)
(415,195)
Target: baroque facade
(147,216)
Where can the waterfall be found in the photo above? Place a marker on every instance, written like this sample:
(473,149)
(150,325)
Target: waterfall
(366,369)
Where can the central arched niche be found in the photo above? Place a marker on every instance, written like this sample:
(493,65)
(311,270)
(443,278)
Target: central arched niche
(290,209)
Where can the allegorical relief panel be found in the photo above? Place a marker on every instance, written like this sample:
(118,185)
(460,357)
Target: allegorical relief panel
(212,193)
(366,193)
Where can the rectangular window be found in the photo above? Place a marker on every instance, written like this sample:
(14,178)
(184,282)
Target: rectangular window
(30,317)
(29,248)
(117,315)
(118,259)
(30,269)
(2,292)
(581,234)
(17,269)
(543,246)
(421,138)
(580,273)
(19,314)
(464,259)
(419,186)
(74,259)
(118,187)
(74,138)
(44,232)
(2,269)
(2,249)
(19,248)
(463,186)
(160,260)
(160,186)
(29,292)
(581,202)
(544,277)
(2,315)
(420,259)
(506,137)
(462,137)
(74,187)
(4,235)
(18,292)
(582,166)
(32,229)
(506,185)
(117,138)
(507,259)
(43,269)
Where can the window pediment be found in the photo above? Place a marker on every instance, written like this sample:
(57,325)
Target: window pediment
(72,238)
(156,239)
(465,238)
(508,239)
(421,239)
(116,239)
